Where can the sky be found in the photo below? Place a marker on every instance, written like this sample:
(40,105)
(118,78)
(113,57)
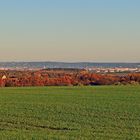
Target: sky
(70,30)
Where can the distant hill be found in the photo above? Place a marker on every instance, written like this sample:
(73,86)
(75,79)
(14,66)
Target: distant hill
(79,65)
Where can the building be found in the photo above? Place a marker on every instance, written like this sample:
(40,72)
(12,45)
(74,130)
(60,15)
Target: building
(3,81)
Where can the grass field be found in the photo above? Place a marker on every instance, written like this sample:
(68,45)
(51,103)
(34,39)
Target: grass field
(96,113)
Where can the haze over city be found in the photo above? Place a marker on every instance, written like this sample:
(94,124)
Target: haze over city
(70,31)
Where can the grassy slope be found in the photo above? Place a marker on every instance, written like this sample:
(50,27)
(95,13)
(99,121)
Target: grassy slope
(70,113)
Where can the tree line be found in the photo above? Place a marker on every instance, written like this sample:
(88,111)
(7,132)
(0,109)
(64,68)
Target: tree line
(64,78)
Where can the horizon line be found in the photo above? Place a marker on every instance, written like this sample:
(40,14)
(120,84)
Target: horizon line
(37,61)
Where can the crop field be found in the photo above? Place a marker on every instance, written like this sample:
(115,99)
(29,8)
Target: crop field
(74,113)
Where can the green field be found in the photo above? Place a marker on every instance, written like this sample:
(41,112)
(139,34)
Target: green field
(78,113)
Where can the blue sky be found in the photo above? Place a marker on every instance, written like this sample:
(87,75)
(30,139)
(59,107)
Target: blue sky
(70,30)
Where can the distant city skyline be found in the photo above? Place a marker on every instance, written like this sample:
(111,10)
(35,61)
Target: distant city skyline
(70,31)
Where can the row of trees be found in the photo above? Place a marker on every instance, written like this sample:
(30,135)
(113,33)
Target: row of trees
(62,78)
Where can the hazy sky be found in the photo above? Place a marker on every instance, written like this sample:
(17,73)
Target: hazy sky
(70,30)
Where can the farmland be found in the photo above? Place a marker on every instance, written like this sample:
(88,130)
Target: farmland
(102,113)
